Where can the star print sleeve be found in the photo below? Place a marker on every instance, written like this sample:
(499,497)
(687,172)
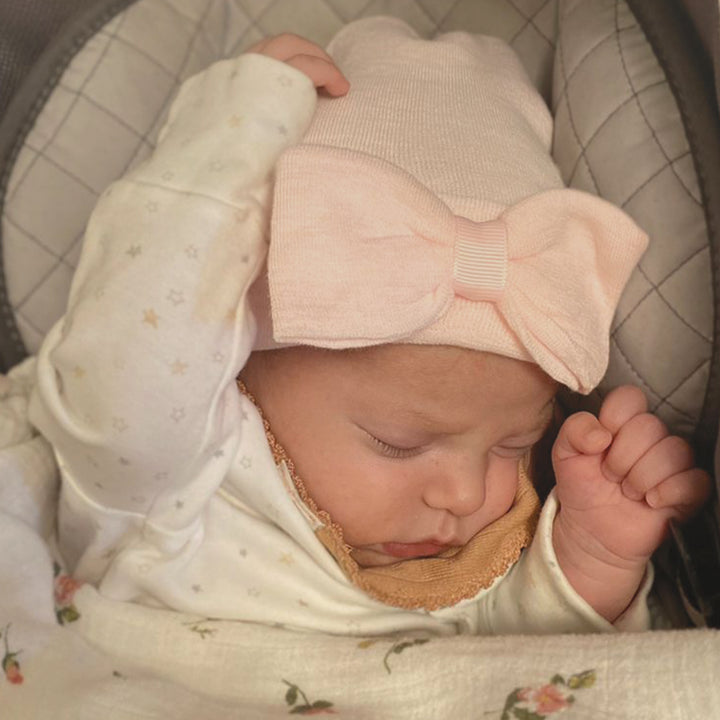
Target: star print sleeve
(136,387)
(536,598)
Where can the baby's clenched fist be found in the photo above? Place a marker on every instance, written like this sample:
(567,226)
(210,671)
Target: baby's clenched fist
(633,450)
(620,478)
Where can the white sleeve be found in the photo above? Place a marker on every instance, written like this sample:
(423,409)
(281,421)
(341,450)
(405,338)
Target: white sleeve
(136,384)
(535,597)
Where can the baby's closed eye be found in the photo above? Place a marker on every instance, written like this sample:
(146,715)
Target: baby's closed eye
(395,451)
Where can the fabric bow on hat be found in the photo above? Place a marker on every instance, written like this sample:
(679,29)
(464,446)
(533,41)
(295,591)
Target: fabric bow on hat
(361,254)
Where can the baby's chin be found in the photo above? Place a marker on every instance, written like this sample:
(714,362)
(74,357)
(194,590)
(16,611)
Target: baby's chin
(390,553)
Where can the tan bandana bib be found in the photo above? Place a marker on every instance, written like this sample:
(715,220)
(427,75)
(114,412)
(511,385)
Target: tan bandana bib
(426,583)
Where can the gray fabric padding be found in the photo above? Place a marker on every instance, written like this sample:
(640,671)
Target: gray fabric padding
(690,76)
(27,28)
(705,16)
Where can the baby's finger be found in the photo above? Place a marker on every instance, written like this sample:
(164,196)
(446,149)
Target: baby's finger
(324,74)
(259,46)
(580,434)
(633,439)
(666,458)
(685,493)
(287,45)
(620,405)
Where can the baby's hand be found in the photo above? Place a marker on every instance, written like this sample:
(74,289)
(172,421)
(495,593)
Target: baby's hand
(308,58)
(620,478)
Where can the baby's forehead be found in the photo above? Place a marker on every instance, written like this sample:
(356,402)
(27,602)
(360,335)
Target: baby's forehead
(449,385)
(428,371)
(426,362)
(440,363)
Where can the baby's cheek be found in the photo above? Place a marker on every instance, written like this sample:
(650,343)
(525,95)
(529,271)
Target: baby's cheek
(354,492)
(502,485)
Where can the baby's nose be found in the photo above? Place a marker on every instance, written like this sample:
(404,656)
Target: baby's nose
(458,488)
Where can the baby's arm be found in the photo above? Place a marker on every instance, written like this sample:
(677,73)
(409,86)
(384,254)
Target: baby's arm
(621,477)
(136,384)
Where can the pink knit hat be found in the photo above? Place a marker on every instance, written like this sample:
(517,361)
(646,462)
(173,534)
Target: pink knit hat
(424,207)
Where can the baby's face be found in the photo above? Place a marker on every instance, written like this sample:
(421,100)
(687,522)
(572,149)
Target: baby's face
(411,449)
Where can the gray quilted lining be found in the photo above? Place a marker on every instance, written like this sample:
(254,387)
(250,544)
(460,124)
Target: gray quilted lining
(18,122)
(619,134)
(691,79)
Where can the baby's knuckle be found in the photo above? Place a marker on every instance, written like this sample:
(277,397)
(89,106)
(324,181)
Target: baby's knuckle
(634,391)
(649,425)
(312,60)
(678,448)
(289,38)
(628,395)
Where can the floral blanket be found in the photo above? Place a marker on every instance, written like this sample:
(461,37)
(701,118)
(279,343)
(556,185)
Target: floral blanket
(68,653)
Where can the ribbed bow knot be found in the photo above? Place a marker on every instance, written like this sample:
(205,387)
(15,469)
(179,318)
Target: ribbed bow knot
(480,261)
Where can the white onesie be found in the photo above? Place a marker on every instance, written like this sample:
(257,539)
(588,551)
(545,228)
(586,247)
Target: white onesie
(170,494)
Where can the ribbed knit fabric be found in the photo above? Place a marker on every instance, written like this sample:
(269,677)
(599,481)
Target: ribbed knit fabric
(457,112)
(424,207)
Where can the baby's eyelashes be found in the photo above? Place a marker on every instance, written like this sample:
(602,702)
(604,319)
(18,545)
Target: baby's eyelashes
(404,447)
(394,451)
(398,452)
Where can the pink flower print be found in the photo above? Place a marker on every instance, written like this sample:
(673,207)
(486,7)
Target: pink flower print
(544,700)
(10,664)
(12,671)
(65,588)
(536,703)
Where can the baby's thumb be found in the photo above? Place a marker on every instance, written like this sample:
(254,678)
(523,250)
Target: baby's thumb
(581,434)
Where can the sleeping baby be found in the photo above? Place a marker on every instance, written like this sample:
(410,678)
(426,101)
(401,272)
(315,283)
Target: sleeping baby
(312,348)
